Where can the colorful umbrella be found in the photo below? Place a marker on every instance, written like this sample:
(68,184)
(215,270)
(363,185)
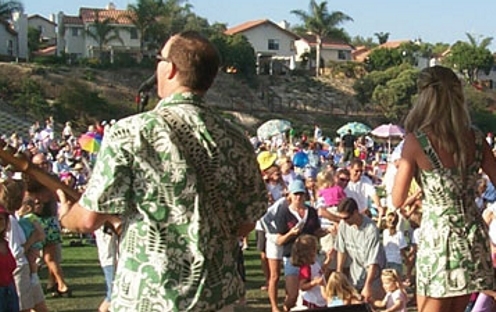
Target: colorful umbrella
(273,127)
(90,142)
(357,128)
(390,132)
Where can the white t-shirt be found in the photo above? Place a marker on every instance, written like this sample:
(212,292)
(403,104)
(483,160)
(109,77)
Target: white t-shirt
(391,298)
(314,294)
(361,191)
(393,245)
(16,238)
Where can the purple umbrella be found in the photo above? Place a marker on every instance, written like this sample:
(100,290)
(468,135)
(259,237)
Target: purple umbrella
(388,132)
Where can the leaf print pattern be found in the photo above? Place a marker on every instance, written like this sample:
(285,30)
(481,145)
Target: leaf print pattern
(185,179)
(453,257)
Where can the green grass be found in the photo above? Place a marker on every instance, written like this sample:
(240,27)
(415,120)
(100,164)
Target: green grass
(83,274)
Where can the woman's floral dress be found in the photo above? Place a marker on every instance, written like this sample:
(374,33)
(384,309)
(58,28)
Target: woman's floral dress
(454,256)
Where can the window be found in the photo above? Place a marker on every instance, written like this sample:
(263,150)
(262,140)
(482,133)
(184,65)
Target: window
(10,47)
(40,29)
(273,44)
(134,33)
(75,32)
(341,55)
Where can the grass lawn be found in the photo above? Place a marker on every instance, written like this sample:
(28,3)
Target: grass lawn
(83,274)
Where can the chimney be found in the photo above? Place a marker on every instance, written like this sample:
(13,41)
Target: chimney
(110,6)
(283,24)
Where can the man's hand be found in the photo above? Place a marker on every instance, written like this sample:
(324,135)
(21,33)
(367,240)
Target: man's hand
(65,205)
(366,294)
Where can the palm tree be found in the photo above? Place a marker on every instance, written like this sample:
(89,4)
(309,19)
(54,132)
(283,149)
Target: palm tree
(103,31)
(143,15)
(320,23)
(382,37)
(9,7)
(483,44)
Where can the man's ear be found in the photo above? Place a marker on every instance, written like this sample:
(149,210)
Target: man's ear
(171,70)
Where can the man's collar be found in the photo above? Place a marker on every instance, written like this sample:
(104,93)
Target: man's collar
(181,98)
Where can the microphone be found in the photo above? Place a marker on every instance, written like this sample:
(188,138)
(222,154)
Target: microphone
(148,84)
(143,92)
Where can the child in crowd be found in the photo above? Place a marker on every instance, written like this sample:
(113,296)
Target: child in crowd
(311,277)
(8,295)
(339,291)
(29,222)
(275,185)
(394,244)
(334,193)
(396,297)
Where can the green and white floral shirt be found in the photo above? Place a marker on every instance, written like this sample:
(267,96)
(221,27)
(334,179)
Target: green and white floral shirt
(183,185)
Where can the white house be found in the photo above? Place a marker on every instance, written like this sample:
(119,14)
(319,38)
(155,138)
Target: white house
(8,41)
(73,38)
(47,28)
(274,46)
(14,38)
(332,50)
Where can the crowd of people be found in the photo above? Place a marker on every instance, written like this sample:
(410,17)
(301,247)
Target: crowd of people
(180,187)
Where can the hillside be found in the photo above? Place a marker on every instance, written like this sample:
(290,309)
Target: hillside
(302,100)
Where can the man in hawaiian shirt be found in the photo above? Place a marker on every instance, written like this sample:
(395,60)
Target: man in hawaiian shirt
(186,184)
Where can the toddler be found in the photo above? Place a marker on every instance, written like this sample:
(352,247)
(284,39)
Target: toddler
(396,297)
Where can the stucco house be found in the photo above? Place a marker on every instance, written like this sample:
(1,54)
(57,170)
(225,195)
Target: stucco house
(332,50)
(73,38)
(47,28)
(274,45)
(14,38)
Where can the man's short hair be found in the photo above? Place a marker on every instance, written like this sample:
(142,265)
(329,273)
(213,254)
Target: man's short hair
(348,205)
(356,162)
(195,58)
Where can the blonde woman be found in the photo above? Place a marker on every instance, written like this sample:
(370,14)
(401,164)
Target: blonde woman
(444,153)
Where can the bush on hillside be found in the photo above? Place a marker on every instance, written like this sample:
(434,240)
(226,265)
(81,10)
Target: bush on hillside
(30,100)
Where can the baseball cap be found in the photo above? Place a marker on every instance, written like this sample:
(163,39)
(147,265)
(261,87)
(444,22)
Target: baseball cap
(266,159)
(297,186)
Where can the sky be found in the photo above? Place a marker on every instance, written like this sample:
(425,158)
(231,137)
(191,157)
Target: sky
(430,20)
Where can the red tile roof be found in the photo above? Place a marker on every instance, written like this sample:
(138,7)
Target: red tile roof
(252,24)
(88,15)
(72,20)
(327,42)
(47,51)
(361,55)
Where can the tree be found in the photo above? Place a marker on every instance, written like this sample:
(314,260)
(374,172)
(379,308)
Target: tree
(358,41)
(235,52)
(320,23)
(471,57)
(395,98)
(143,15)
(382,59)
(382,37)
(33,39)
(9,7)
(103,32)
